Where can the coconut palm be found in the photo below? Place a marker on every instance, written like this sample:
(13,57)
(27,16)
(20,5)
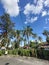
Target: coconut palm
(46,33)
(27,33)
(39,38)
(24,41)
(18,37)
(6,28)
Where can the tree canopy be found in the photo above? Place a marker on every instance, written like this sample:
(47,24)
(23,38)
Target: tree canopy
(6,28)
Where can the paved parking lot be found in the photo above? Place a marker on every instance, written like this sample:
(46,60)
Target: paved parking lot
(13,60)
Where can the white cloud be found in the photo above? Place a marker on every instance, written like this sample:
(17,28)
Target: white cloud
(31,20)
(34,9)
(44,13)
(11,7)
(27,19)
(47,3)
(25,22)
(34,19)
(27,9)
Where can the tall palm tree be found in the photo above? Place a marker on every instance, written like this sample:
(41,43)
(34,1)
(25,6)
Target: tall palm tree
(18,34)
(18,37)
(46,33)
(6,27)
(24,41)
(27,33)
(39,38)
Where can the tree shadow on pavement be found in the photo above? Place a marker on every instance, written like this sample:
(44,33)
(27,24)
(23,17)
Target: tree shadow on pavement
(7,64)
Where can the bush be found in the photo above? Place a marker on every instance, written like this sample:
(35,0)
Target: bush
(44,54)
(20,52)
(32,53)
(26,52)
(15,52)
(10,51)
(23,52)
(3,51)
(0,53)
(40,53)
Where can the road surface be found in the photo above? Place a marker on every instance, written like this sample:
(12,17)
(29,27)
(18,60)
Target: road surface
(13,60)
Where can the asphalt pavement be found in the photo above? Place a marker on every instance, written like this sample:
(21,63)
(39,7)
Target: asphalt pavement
(13,60)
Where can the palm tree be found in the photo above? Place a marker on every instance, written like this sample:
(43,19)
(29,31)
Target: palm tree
(18,34)
(39,38)
(18,37)
(6,27)
(24,41)
(46,33)
(27,33)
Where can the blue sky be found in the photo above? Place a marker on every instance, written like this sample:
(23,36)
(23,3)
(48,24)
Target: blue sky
(27,12)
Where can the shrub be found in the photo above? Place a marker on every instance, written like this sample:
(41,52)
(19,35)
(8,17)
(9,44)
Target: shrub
(26,52)
(15,52)
(32,53)
(0,53)
(3,51)
(23,52)
(40,53)
(20,52)
(10,51)
(46,54)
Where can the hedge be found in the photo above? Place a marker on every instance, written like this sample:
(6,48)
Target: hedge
(0,53)
(21,52)
(43,54)
(46,54)
(26,52)
(40,53)
(13,52)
